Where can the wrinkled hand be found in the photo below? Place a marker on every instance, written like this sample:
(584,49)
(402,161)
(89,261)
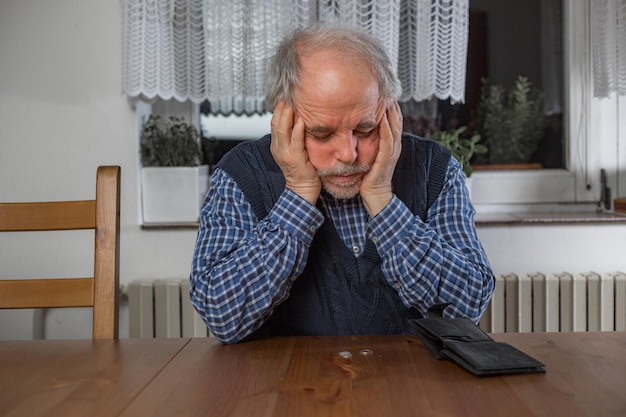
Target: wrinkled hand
(288,150)
(376,189)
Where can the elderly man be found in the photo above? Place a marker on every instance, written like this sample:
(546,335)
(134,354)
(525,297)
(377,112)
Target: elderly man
(336,223)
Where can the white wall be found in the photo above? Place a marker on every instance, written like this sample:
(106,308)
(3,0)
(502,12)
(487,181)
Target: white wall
(62,114)
(555,248)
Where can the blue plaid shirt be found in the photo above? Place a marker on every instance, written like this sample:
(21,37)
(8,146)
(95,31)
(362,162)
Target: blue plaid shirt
(243,266)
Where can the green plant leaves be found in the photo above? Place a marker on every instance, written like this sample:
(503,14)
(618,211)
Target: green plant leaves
(168,144)
(463,148)
(512,123)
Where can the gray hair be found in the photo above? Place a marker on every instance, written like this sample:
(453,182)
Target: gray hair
(283,72)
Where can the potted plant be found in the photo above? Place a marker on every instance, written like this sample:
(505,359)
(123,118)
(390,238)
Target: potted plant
(511,123)
(463,148)
(174,183)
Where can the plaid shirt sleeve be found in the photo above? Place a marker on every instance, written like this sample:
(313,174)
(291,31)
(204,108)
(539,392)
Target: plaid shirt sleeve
(243,266)
(439,260)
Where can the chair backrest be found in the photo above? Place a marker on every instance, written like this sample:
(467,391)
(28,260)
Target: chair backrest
(99,291)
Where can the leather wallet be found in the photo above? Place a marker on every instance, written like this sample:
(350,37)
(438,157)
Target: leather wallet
(463,342)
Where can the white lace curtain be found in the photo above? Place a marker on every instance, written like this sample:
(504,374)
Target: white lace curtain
(216,50)
(608,37)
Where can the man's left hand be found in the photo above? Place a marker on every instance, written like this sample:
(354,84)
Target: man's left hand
(376,189)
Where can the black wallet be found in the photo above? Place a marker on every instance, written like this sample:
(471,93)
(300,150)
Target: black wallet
(463,342)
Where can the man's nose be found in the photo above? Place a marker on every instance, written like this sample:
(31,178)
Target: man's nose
(346,148)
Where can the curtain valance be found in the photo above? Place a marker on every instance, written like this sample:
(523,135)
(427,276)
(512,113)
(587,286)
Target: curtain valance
(216,50)
(608,34)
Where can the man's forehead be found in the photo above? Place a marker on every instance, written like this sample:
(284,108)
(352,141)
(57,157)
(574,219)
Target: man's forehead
(364,123)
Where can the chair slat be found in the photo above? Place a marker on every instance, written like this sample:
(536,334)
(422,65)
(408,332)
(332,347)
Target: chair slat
(46,293)
(58,215)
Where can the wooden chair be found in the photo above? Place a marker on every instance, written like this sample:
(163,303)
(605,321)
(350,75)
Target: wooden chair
(99,291)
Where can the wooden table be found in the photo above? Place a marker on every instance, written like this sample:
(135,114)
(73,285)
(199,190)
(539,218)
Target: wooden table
(306,376)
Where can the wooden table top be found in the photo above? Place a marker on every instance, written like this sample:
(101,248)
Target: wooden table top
(78,377)
(307,376)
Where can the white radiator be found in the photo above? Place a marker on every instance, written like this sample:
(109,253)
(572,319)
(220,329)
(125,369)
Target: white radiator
(521,303)
(561,302)
(161,308)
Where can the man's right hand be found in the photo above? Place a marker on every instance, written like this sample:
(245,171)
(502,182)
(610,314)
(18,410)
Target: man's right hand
(290,154)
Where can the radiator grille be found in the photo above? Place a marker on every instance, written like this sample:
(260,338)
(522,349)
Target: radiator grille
(161,308)
(521,303)
(562,302)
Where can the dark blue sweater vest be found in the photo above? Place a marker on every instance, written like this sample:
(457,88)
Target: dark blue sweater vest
(338,293)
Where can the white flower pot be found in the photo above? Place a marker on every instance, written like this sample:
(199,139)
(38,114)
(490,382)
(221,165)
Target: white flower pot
(173,194)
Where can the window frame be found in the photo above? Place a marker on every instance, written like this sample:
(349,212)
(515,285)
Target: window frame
(577,183)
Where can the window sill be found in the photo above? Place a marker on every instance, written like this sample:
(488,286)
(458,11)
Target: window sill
(171,226)
(499,219)
(482,219)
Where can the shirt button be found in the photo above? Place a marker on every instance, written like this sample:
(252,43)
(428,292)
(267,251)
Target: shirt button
(355,249)
(312,229)
(375,239)
(397,285)
(293,278)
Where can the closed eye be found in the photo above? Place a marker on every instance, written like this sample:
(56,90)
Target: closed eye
(323,134)
(320,134)
(364,133)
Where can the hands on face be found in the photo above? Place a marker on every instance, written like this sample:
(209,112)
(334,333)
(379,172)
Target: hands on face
(288,150)
(376,189)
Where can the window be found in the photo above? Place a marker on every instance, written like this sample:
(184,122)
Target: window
(222,133)
(571,177)
(576,178)
(508,40)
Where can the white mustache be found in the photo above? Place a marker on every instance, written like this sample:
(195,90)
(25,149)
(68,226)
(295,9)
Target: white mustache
(344,170)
